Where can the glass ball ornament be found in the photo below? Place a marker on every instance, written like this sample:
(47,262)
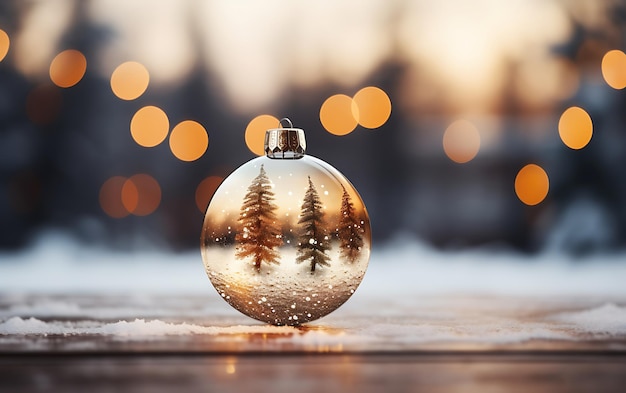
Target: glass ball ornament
(286,237)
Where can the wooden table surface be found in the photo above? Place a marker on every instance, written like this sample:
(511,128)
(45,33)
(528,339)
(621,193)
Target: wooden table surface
(76,343)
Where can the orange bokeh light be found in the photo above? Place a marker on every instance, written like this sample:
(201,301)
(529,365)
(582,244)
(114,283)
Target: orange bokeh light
(461,141)
(339,114)
(614,69)
(532,184)
(205,191)
(374,107)
(110,197)
(5,42)
(141,194)
(68,68)
(255,132)
(130,80)
(149,126)
(575,128)
(189,140)
(130,195)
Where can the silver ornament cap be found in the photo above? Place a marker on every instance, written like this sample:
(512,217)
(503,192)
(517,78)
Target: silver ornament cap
(285,142)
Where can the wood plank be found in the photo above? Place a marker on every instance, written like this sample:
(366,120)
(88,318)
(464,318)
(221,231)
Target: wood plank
(326,373)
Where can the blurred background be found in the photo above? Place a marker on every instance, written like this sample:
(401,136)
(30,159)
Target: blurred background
(461,123)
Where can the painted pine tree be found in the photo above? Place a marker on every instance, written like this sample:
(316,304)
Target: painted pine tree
(314,239)
(260,233)
(350,231)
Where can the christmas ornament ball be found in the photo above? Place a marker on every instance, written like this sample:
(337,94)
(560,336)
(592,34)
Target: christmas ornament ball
(286,237)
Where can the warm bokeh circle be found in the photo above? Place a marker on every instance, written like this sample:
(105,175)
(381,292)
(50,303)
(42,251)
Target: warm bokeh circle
(141,194)
(461,141)
(532,184)
(614,69)
(68,68)
(130,80)
(149,126)
(189,140)
(255,132)
(205,191)
(575,128)
(110,197)
(374,107)
(339,114)
(5,43)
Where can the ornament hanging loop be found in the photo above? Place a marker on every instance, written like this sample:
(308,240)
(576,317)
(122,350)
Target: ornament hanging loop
(285,120)
(285,143)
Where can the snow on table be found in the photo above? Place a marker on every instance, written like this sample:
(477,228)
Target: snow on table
(59,293)
(366,324)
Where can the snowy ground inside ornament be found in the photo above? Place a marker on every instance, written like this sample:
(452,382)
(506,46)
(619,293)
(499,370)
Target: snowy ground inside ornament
(287,293)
